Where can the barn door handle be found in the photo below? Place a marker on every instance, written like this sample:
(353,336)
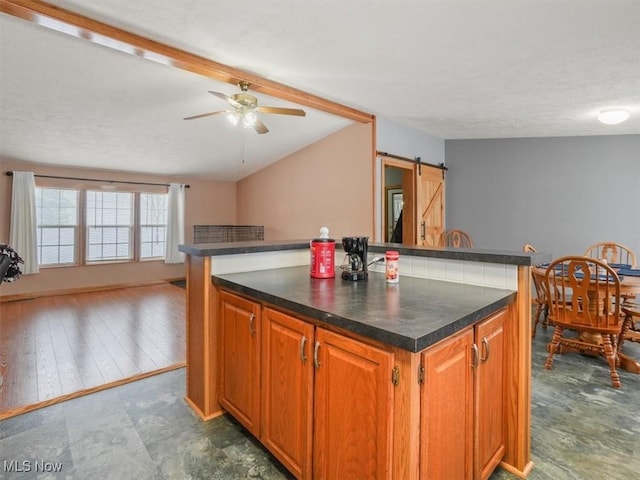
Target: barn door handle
(423,230)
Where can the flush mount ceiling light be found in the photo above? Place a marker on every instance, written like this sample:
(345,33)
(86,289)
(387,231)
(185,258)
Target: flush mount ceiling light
(613,116)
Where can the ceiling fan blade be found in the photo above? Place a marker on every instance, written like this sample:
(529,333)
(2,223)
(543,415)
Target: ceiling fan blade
(260,127)
(283,111)
(206,114)
(226,98)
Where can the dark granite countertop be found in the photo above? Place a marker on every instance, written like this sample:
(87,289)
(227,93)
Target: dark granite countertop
(505,257)
(412,314)
(232,248)
(467,254)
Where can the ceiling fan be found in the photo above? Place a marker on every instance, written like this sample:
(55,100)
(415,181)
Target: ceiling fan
(244,109)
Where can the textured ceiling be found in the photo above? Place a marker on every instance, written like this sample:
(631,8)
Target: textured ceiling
(464,69)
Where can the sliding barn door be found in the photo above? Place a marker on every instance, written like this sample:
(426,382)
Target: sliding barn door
(430,205)
(423,197)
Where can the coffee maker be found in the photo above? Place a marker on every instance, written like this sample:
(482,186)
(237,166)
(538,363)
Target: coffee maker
(354,266)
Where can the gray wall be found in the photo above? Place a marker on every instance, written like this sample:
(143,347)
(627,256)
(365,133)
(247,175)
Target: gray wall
(559,194)
(397,139)
(408,142)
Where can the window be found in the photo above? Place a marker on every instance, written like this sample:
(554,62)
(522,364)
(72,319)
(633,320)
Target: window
(57,225)
(153,224)
(114,226)
(109,226)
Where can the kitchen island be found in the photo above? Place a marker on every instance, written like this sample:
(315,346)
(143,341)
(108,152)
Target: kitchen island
(372,379)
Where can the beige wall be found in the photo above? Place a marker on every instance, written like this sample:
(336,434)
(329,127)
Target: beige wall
(328,183)
(206,202)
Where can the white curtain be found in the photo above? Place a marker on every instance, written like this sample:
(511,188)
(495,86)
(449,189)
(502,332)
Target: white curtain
(23,231)
(175,223)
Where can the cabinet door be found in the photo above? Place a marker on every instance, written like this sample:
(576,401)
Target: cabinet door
(446,409)
(490,387)
(287,390)
(353,409)
(240,360)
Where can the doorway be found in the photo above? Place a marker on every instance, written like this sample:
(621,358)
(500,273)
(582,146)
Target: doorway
(413,202)
(398,205)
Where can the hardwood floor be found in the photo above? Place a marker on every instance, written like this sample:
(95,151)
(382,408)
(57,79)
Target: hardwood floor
(61,347)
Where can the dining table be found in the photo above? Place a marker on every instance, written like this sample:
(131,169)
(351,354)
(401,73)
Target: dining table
(629,289)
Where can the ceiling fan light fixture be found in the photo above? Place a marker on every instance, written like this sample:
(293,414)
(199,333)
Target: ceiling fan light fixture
(244,109)
(249,120)
(233,118)
(613,116)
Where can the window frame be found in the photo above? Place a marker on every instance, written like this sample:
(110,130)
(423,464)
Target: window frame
(77,229)
(131,255)
(82,229)
(140,225)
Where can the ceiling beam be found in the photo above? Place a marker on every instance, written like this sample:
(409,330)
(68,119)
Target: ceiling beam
(65,21)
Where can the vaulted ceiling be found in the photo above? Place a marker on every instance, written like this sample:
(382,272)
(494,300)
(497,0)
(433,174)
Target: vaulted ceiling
(468,69)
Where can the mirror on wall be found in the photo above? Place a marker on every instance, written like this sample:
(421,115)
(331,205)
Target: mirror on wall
(394,204)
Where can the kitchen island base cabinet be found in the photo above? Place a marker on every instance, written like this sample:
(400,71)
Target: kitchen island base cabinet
(446,410)
(287,390)
(353,409)
(326,401)
(330,405)
(462,415)
(489,398)
(422,312)
(239,374)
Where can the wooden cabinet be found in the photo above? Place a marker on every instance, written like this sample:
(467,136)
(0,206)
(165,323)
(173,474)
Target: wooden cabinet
(326,401)
(446,410)
(287,390)
(489,395)
(328,407)
(239,377)
(462,403)
(353,409)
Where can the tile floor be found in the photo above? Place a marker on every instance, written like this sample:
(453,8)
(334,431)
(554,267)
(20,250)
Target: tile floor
(582,429)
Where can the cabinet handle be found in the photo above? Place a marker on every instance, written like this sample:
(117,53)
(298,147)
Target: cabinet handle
(303,342)
(485,342)
(423,229)
(474,362)
(316,362)
(252,327)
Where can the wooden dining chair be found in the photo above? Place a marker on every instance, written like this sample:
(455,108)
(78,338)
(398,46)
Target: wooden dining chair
(612,252)
(456,239)
(630,330)
(540,299)
(594,315)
